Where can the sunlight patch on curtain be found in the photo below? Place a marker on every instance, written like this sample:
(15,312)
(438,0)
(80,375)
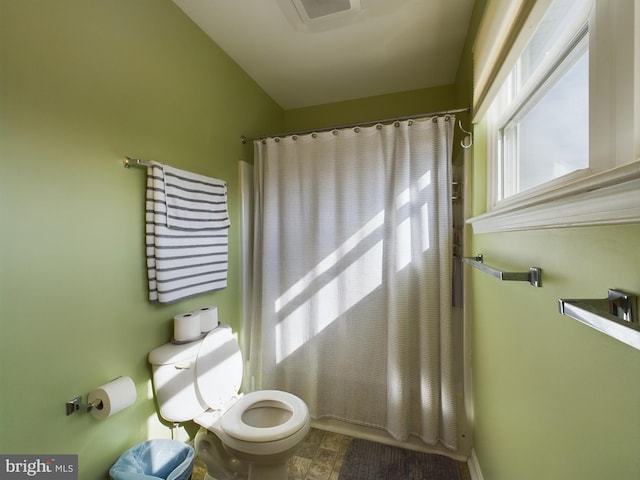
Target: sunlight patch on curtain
(359,279)
(329,261)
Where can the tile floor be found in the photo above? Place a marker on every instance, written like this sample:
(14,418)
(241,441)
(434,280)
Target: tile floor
(319,458)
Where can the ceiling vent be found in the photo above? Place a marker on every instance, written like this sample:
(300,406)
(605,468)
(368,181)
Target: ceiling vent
(312,11)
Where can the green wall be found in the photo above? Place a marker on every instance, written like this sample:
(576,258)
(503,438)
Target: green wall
(372,108)
(553,398)
(402,104)
(83,83)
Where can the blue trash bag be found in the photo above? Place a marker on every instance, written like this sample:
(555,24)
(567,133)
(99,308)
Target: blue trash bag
(156,459)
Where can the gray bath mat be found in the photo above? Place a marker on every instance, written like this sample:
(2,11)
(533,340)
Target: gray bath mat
(366,460)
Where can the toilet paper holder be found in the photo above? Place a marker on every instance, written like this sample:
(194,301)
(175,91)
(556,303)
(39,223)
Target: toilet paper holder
(76,404)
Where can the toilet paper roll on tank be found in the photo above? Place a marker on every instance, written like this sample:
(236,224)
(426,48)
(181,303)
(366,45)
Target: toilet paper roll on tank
(208,318)
(186,326)
(192,325)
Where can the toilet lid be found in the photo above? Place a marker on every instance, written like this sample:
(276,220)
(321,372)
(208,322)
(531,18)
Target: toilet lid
(219,367)
(234,426)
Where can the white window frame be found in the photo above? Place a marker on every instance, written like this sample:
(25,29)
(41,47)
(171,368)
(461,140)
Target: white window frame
(609,191)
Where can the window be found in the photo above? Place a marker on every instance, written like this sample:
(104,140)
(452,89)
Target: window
(546,91)
(563,121)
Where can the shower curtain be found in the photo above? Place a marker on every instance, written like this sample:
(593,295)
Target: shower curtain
(351,293)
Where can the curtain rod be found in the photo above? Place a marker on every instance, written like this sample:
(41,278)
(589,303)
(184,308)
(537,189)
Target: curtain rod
(362,124)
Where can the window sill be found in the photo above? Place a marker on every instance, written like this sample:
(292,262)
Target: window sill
(608,198)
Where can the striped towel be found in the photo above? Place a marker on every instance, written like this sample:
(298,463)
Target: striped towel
(187,227)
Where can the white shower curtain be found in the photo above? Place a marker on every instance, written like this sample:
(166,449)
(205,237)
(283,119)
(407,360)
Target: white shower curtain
(351,307)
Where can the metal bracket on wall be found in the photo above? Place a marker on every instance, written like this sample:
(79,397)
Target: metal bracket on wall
(76,404)
(533,276)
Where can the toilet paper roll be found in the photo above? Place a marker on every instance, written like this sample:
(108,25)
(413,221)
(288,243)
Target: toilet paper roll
(208,318)
(186,326)
(112,397)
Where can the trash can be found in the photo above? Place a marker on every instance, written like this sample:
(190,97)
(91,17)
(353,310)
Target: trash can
(155,459)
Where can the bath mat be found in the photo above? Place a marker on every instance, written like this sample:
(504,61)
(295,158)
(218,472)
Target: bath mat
(367,460)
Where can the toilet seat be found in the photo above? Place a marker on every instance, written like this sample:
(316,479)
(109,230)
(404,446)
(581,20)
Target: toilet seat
(233,424)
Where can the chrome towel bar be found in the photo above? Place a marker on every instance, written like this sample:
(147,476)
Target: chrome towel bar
(616,315)
(533,276)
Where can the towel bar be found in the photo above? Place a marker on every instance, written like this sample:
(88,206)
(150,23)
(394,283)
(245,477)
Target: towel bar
(533,276)
(616,315)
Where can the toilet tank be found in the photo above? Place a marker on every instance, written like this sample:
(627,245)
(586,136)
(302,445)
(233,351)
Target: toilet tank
(174,381)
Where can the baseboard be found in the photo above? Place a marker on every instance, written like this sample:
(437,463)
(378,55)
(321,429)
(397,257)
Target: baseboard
(474,467)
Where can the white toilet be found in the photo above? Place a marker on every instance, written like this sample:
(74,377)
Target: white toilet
(244,436)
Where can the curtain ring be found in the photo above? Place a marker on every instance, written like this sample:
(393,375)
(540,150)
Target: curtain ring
(410,122)
(379,127)
(396,124)
(335,132)
(314,135)
(294,137)
(277,140)
(357,129)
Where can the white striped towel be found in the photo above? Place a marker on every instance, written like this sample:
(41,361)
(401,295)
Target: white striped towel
(187,226)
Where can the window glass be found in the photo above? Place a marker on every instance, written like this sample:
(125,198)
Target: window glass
(551,34)
(551,138)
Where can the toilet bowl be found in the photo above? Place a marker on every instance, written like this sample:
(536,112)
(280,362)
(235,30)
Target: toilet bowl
(262,430)
(242,436)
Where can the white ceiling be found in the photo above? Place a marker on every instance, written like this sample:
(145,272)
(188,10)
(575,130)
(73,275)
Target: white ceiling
(387,46)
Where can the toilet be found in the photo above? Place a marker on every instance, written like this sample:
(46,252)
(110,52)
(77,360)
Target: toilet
(248,436)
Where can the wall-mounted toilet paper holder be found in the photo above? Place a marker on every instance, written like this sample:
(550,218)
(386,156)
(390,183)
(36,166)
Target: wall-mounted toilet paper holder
(76,404)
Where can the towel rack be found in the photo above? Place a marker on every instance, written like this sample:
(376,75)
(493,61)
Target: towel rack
(616,315)
(533,276)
